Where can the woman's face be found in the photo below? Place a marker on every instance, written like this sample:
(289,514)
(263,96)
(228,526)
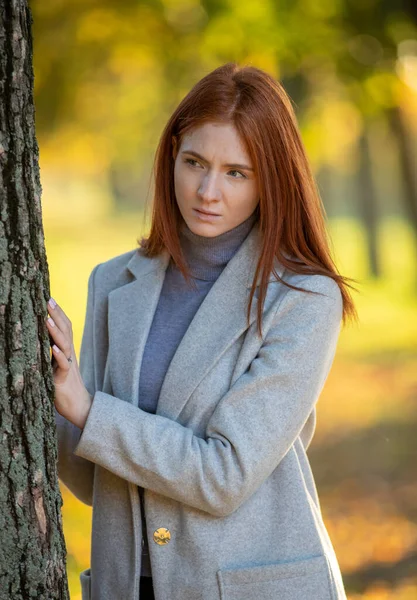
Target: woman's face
(213,172)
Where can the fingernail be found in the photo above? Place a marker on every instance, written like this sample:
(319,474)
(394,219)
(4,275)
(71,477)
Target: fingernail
(51,302)
(50,321)
(56,348)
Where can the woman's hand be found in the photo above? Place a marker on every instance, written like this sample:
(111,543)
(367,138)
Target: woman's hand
(72,399)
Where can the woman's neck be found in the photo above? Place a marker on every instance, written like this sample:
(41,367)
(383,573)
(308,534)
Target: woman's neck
(207,256)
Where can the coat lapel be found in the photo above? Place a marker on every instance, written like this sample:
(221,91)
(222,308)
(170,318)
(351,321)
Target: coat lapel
(219,321)
(131,310)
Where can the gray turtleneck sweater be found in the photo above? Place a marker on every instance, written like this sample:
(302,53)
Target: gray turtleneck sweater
(177,305)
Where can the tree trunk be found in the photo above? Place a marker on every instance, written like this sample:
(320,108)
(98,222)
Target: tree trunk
(32,546)
(407,166)
(368,205)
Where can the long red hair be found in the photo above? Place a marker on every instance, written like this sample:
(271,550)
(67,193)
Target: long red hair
(290,211)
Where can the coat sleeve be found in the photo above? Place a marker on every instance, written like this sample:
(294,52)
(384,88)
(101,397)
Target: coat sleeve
(77,473)
(253,426)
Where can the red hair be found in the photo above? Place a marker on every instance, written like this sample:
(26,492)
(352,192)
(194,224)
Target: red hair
(290,211)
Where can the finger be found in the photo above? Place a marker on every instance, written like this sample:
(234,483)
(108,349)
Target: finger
(59,316)
(61,319)
(60,358)
(61,339)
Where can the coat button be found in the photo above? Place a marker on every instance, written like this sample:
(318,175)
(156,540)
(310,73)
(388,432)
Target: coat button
(161,536)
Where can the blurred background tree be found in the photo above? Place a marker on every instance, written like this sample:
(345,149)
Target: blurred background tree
(107,77)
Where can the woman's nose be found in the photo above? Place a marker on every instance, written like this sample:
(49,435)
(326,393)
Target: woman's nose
(209,189)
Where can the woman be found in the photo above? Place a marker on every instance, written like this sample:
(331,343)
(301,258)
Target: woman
(203,355)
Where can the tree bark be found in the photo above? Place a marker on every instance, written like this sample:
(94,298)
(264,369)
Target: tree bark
(32,546)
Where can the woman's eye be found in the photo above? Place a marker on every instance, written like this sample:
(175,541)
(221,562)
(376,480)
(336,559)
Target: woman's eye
(190,160)
(242,175)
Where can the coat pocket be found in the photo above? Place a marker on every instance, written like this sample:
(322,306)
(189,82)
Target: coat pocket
(85,579)
(295,580)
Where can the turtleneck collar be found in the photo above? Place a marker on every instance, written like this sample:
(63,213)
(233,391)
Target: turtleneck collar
(207,256)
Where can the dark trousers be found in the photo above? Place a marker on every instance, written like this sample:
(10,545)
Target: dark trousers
(146,589)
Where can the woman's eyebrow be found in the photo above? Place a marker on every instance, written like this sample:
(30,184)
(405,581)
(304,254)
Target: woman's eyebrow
(233,165)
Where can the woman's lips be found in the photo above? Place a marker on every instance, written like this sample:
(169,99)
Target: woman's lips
(205,216)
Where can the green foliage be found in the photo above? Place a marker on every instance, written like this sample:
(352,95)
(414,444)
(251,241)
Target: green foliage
(108,75)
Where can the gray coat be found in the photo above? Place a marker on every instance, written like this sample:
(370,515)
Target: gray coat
(231,505)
